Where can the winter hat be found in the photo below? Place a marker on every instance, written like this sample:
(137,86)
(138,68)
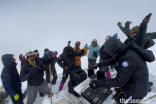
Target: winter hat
(78,43)
(113,46)
(30,53)
(115,35)
(69,49)
(135,29)
(107,37)
(94,40)
(36,52)
(45,50)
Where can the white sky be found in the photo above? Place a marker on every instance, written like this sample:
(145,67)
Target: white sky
(38,24)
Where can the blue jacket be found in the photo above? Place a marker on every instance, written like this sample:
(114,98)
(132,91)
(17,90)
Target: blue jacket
(9,76)
(92,49)
(44,55)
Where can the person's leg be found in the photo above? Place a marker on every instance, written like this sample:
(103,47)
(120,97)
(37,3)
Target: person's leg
(93,62)
(44,88)
(20,96)
(89,63)
(108,74)
(47,75)
(32,92)
(54,74)
(64,78)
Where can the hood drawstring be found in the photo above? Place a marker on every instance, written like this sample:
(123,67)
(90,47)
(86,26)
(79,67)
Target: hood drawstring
(69,61)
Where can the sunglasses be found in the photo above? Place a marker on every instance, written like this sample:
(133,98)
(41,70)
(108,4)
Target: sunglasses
(131,32)
(47,52)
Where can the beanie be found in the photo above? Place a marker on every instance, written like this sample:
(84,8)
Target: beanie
(77,43)
(45,50)
(135,29)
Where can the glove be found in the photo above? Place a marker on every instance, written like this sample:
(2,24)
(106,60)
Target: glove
(31,71)
(94,84)
(146,19)
(95,54)
(127,23)
(119,24)
(22,59)
(16,97)
(86,46)
(82,51)
(54,54)
(44,68)
(95,66)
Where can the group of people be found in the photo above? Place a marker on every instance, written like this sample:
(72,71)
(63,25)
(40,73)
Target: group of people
(128,59)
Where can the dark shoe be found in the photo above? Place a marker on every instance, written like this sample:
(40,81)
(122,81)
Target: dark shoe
(41,95)
(149,90)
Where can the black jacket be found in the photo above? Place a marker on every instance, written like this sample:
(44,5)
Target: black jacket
(133,77)
(104,55)
(36,78)
(65,60)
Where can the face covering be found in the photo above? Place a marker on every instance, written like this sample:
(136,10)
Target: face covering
(32,62)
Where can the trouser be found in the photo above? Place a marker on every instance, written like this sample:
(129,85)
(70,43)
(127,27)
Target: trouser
(33,91)
(54,74)
(121,97)
(78,67)
(91,62)
(65,75)
(20,100)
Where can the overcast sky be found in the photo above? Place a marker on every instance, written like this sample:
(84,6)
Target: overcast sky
(38,24)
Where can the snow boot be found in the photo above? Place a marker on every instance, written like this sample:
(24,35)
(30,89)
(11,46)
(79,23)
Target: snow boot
(41,95)
(108,74)
(61,86)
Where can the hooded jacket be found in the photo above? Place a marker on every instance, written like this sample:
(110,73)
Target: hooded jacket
(92,49)
(68,60)
(132,76)
(9,76)
(104,55)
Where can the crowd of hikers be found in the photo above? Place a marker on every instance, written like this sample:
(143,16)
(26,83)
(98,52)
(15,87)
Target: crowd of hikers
(128,59)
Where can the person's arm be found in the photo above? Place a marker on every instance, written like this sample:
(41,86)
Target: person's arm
(59,61)
(108,62)
(46,60)
(88,47)
(23,74)
(85,53)
(7,83)
(127,29)
(141,38)
(152,35)
(123,75)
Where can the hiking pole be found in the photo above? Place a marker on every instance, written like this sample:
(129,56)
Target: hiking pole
(50,83)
